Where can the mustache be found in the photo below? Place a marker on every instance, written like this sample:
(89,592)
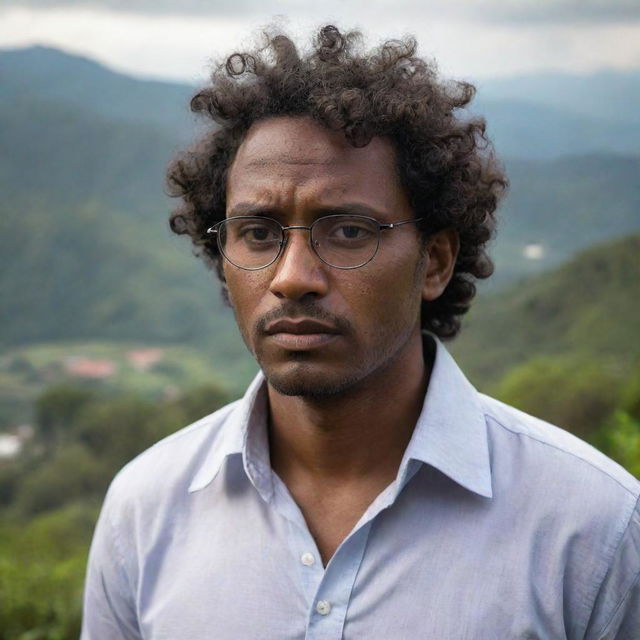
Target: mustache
(293,310)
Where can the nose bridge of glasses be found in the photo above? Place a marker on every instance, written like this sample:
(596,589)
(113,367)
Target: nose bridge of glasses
(293,227)
(296,227)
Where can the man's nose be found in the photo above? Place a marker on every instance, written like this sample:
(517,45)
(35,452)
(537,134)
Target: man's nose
(299,272)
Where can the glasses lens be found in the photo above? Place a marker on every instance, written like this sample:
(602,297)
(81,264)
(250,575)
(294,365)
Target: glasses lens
(250,242)
(345,241)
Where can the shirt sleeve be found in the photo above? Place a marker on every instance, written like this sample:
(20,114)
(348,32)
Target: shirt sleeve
(109,603)
(616,615)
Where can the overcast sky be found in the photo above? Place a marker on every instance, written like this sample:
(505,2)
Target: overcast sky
(469,38)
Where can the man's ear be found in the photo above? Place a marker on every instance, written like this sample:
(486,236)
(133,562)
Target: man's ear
(441,252)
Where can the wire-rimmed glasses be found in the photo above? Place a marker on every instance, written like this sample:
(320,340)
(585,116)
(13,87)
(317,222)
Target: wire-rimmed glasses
(343,241)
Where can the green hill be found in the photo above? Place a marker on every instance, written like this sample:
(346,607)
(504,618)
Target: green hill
(72,156)
(71,81)
(562,207)
(588,309)
(85,252)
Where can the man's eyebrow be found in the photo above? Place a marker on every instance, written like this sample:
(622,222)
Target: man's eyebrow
(249,209)
(348,208)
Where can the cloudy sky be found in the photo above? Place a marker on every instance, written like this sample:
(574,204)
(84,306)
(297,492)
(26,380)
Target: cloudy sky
(469,38)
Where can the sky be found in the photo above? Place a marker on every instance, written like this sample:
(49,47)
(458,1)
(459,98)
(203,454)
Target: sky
(178,39)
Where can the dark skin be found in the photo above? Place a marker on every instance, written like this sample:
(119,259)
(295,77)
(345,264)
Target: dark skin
(344,399)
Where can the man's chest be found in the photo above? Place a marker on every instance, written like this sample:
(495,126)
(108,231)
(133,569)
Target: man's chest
(418,569)
(247,585)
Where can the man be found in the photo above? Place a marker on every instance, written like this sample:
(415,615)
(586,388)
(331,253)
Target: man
(362,488)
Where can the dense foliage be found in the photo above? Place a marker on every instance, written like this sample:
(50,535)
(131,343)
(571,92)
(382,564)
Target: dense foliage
(50,497)
(587,309)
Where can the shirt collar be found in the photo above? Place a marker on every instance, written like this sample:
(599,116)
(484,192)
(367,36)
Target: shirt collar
(451,432)
(450,435)
(242,432)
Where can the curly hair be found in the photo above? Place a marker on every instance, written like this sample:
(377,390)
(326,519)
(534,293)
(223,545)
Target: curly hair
(445,162)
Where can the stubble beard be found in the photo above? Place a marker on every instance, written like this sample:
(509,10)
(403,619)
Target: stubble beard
(298,377)
(300,380)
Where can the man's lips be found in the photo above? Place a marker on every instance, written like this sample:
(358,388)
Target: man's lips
(301,334)
(301,326)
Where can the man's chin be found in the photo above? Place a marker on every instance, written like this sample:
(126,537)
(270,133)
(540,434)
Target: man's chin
(301,381)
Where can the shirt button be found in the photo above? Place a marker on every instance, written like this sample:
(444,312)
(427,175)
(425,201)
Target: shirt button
(307,559)
(323,607)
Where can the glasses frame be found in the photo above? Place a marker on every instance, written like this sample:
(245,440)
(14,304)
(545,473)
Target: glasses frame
(382,226)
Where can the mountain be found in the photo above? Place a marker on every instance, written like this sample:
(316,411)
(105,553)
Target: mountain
(555,208)
(83,271)
(523,129)
(604,95)
(65,80)
(542,116)
(588,308)
(85,251)
(548,115)
(72,156)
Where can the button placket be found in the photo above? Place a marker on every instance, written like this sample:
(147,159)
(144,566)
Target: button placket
(307,559)
(331,600)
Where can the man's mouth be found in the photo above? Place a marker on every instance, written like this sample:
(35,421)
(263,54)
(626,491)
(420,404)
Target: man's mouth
(301,334)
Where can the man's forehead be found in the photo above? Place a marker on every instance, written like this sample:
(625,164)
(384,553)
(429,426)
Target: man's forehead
(298,163)
(302,141)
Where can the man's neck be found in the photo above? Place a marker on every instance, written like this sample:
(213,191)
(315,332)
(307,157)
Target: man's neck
(352,436)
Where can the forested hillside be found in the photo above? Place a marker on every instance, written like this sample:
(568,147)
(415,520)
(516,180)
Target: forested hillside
(589,308)
(83,214)
(114,336)
(564,345)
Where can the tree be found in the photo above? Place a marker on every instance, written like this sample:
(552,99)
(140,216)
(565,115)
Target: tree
(574,393)
(56,410)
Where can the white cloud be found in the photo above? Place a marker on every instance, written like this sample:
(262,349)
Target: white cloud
(179,46)
(485,10)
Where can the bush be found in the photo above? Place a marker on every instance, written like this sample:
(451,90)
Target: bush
(42,567)
(116,429)
(55,411)
(575,394)
(88,437)
(73,473)
(620,439)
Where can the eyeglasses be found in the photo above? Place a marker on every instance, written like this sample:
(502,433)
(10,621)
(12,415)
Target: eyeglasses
(341,241)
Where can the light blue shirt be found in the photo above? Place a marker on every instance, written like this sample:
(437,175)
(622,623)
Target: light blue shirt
(498,526)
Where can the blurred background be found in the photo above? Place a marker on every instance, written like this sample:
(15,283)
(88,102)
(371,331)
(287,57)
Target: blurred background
(114,336)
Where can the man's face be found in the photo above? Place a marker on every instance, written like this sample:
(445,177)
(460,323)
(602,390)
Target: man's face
(314,329)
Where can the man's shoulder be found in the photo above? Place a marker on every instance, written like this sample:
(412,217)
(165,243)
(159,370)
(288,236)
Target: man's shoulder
(171,463)
(543,448)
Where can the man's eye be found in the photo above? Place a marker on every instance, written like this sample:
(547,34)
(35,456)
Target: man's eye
(350,232)
(258,233)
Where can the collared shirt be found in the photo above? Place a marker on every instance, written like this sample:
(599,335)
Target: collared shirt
(497,526)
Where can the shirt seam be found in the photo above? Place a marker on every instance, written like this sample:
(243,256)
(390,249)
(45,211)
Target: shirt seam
(631,586)
(635,496)
(206,421)
(628,517)
(117,544)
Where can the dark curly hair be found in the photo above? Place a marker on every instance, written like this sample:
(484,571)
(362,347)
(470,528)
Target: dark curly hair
(444,160)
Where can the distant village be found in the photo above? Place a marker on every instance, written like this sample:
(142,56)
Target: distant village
(81,367)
